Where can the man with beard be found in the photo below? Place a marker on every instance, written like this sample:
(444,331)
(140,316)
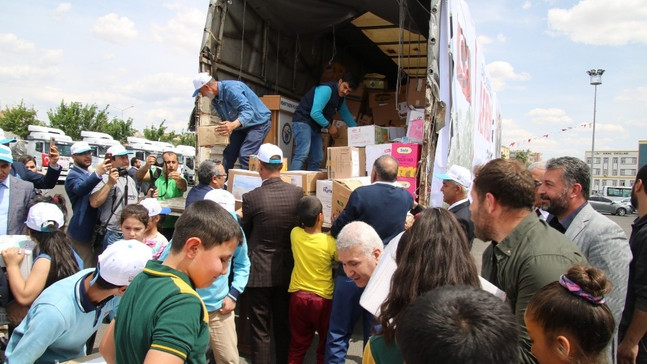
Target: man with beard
(537,171)
(525,253)
(633,326)
(244,117)
(564,193)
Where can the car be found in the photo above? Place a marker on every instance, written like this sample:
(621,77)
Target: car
(627,201)
(605,205)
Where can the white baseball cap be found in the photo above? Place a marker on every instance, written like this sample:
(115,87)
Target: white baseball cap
(118,149)
(458,174)
(267,151)
(80,147)
(5,154)
(223,198)
(4,139)
(45,217)
(200,80)
(154,208)
(123,260)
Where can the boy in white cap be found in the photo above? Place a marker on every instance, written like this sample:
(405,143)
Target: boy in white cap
(245,118)
(162,319)
(455,189)
(79,185)
(67,313)
(115,191)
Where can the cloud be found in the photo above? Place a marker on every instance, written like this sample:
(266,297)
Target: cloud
(501,38)
(609,128)
(484,40)
(526,5)
(114,29)
(637,94)
(501,72)
(549,116)
(601,22)
(26,71)
(61,10)
(639,123)
(12,44)
(180,31)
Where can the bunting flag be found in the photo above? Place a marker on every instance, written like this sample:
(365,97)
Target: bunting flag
(545,136)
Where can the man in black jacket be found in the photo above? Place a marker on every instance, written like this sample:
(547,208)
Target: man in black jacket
(456,184)
(40,181)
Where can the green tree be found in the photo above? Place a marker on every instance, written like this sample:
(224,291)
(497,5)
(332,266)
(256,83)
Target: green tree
(75,117)
(185,138)
(120,129)
(523,156)
(16,119)
(155,133)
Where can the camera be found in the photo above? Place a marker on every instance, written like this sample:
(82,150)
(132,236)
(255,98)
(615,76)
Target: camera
(159,161)
(122,171)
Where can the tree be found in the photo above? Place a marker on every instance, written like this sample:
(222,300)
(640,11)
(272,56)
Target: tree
(75,117)
(523,156)
(185,138)
(155,133)
(16,119)
(120,129)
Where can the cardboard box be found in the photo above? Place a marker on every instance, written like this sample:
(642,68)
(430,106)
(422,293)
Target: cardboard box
(375,81)
(241,181)
(416,90)
(364,120)
(324,194)
(416,125)
(341,140)
(208,136)
(387,115)
(254,164)
(346,162)
(377,98)
(410,184)
(307,180)
(361,136)
(341,190)
(373,152)
(407,154)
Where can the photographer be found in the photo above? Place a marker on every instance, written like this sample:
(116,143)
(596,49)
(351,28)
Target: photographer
(115,191)
(170,183)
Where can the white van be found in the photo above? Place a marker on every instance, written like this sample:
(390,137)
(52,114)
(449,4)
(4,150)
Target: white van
(616,193)
(188,166)
(37,145)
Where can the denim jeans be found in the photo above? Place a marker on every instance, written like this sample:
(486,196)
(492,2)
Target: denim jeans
(242,143)
(307,144)
(109,238)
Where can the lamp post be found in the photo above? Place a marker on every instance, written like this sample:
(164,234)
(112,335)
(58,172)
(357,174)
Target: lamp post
(124,109)
(596,79)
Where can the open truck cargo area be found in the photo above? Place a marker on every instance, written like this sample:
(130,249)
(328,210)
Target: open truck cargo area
(429,48)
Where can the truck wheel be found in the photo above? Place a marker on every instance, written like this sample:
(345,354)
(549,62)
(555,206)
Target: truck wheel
(621,212)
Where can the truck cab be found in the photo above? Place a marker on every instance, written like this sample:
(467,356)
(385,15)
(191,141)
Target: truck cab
(187,153)
(38,143)
(99,142)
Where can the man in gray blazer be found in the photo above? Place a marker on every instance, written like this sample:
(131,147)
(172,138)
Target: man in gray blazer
(564,193)
(15,195)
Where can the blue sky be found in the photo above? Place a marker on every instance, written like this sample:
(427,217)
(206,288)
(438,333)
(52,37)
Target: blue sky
(143,53)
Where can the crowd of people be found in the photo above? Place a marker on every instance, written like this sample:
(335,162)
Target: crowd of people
(560,283)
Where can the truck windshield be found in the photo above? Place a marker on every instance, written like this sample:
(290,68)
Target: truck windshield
(64,149)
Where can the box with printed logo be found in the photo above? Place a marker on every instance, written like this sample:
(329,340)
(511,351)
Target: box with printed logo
(324,194)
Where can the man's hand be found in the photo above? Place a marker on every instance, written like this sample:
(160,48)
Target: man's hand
(150,160)
(113,177)
(152,192)
(332,130)
(53,156)
(175,175)
(13,256)
(228,305)
(102,168)
(226,127)
(627,353)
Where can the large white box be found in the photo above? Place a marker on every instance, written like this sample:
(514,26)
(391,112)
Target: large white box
(22,242)
(373,152)
(324,194)
(360,136)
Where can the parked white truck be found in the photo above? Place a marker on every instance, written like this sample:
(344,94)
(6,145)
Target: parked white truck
(99,142)
(287,52)
(38,143)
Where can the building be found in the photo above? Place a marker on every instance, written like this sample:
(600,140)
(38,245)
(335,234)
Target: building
(505,152)
(642,153)
(614,167)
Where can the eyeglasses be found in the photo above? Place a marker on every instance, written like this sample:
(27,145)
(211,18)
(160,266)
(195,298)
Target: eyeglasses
(223,176)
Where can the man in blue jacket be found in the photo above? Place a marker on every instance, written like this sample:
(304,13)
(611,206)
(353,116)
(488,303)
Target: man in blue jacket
(79,185)
(40,181)
(245,118)
(315,111)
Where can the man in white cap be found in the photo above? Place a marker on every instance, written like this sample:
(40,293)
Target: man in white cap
(455,189)
(78,185)
(15,195)
(68,312)
(115,191)
(269,215)
(245,118)
(40,181)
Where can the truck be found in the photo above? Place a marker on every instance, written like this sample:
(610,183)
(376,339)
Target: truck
(285,47)
(142,148)
(99,142)
(187,153)
(38,144)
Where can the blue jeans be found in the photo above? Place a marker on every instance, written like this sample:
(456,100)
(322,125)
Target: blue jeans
(110,238)
(307,144)
(345,313)
(242,143)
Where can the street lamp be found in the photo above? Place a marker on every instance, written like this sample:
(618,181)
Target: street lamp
(596,79)
(124,109)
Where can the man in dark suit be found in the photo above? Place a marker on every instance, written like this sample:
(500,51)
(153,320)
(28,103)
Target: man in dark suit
(269,214)
(40,181)
(384,206)
(456,184)
(15,195)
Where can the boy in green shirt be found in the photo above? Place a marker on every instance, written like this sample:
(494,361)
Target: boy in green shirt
(164,320)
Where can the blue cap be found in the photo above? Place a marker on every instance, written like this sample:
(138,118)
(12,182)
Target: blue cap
(5,154)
